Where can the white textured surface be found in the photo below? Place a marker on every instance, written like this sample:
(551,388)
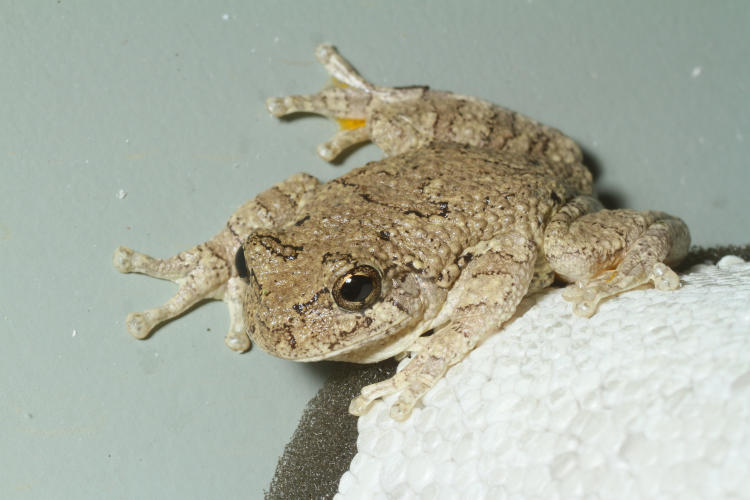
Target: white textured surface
(649,398)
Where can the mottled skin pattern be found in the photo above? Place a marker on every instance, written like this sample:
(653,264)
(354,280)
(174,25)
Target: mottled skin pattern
(427,251)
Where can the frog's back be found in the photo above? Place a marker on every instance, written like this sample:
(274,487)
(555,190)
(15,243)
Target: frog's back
(444,178)
(425,207)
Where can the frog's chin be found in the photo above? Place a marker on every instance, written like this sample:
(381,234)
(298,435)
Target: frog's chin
(400,338)
(380,349)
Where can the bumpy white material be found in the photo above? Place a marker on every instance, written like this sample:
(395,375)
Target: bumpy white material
(649,398)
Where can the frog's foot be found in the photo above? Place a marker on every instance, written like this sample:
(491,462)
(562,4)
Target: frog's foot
(664,240)
(341,104)
(586,294)
(347,101)
(505,264)
(201,273)
(607,252)
(412,383)
(431,358)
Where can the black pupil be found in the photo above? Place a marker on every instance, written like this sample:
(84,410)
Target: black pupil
(356,288)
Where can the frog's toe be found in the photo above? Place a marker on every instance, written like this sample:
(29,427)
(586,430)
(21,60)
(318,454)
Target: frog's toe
(408,399)
(237,341)
(342,140)
(277,107)
(663,277)
(579,291)
(138,325)
(587,294)
(313,103)
(359,406)
(326,151)
(372,393)
(583,295)
(413,382)
(585,309)
(325,52)
(237,338)
(122,259)
(341,69)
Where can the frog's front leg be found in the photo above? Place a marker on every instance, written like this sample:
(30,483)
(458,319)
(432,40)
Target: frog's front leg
(208,270)
(485,295)
(606,252)
(202,272)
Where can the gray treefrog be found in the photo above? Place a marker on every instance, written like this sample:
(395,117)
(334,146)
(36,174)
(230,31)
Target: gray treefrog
(426,251)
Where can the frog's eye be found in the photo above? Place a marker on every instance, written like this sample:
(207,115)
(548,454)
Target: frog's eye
(358,288)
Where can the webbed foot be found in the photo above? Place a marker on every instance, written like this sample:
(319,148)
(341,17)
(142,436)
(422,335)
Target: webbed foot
(412,383)
(348,101)
(587,294)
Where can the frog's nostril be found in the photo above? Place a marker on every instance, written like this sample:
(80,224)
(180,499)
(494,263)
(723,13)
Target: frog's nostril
(240,264)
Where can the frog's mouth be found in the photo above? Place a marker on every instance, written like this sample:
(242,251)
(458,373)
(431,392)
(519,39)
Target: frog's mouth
(370,345)
(397,339)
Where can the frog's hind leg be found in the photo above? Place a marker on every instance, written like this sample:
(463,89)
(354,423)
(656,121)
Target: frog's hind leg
(606,252)
(201,273)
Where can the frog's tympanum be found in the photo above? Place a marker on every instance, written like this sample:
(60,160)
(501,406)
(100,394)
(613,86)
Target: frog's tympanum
(425,252)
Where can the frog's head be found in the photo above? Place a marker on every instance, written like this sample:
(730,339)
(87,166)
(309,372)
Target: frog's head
(323,301)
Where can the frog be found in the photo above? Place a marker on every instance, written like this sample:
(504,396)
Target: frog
(422,254)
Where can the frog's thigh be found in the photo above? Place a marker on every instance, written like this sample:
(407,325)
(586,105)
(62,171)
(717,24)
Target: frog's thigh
(484,296)
(606,252)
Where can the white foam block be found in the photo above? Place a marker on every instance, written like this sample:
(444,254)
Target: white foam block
(649,398)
